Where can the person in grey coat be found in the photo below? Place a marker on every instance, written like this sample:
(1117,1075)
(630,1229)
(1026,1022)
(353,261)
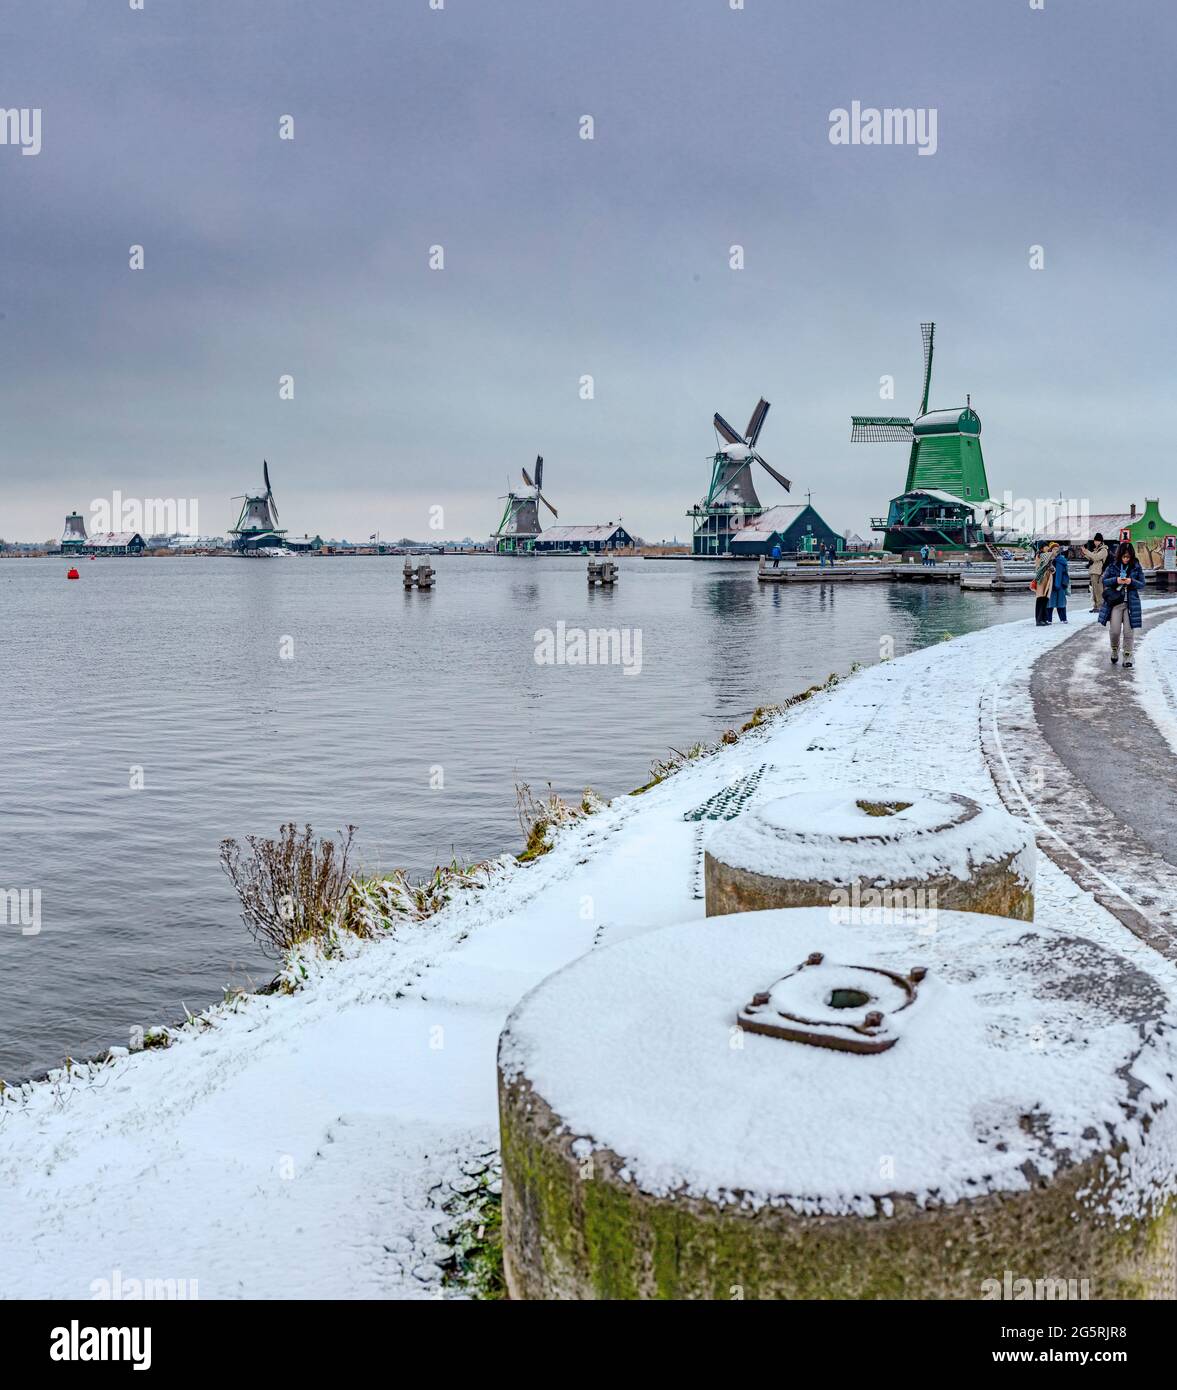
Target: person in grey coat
(1097,561)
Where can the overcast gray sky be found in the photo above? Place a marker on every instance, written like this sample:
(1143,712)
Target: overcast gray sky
(565,257)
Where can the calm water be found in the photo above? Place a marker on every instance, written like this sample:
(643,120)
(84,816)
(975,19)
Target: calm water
(175,667)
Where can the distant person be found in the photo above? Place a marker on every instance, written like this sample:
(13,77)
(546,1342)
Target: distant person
(1043,582)
(1097,562)
(776,556)
(1060,586)
(821,556)
(924,555)
(1123,583)
(931,557)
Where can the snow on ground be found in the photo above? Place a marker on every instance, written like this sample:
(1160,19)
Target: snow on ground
(300,1146)
(1156,679)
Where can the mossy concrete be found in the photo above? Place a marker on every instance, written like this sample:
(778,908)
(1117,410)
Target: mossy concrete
(996,887)
(575,1229)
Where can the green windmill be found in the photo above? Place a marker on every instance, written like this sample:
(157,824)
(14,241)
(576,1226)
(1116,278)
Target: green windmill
(943,500)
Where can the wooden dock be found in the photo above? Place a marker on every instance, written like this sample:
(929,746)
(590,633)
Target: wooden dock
(1012,576)
(850,573)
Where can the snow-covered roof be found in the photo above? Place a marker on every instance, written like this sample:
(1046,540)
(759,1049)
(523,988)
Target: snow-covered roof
(1082,528)
(581,533)
(948,497)
(114,538)
(778,518)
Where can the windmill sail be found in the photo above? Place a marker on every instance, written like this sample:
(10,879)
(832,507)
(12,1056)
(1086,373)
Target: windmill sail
(771,471)
(880,429)
(928,334)
(756,423)
(726,430)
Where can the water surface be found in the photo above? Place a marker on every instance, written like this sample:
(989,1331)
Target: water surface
(176,667)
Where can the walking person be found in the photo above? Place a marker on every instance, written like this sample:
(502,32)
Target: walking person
(1043,582)
(1097,562)
(1123,583)
(776,556)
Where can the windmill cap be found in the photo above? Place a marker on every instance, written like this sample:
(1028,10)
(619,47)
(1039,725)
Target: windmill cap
(962,420)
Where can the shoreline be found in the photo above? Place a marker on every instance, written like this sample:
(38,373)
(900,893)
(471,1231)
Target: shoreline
(375,1083)
(506,858)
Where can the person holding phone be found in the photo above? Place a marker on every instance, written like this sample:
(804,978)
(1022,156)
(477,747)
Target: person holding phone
(1123,583)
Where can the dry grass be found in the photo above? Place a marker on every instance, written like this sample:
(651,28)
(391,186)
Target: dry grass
(291,888)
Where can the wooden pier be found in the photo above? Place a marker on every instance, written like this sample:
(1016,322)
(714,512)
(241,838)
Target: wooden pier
(1013,576)
(852,572)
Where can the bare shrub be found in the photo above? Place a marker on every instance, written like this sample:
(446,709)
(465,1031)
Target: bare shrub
(290,888)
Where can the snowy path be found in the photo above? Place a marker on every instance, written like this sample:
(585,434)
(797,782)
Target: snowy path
(1072,746)
(300,1146)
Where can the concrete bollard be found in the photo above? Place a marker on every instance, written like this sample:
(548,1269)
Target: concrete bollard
(602,572)
(870,851)
(1021,1127)
(421,577)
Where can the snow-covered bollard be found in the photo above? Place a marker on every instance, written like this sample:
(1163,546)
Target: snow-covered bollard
(697,1114)
(862,852)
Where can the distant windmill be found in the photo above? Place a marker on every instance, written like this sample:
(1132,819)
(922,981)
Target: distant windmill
(520,524)
(946,482)
(257,526)
(731,500)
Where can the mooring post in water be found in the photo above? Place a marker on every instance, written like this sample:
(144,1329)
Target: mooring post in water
(602,572)
(422,576)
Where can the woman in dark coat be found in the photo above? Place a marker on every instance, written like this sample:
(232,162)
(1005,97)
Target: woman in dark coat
(1123,583)
(1060,588)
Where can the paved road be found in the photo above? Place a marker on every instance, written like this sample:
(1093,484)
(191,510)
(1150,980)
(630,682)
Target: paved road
(1069,746)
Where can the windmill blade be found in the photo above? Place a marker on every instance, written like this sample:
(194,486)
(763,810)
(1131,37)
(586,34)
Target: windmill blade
(726,430)
(539,472)
(928,333)
(772,473)
(756,423)
(547,504)
(269,489)
(527,479)
(880,429)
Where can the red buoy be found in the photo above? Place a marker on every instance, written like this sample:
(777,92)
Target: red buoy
(73,574)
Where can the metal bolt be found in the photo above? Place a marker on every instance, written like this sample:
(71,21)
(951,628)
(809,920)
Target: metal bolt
(873,1020)
(815,958)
